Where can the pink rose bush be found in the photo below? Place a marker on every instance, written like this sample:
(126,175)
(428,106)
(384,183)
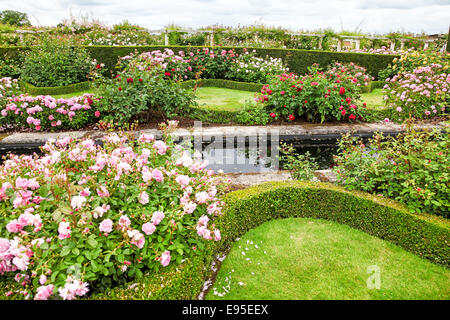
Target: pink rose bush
(422,93)
(82,212)
(46,112)
(358,74)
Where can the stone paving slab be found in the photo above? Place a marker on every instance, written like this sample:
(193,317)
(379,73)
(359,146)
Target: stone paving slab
(207,132)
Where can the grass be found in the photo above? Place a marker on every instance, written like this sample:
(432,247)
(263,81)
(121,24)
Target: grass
(221,99)
(315,259)
(374,99)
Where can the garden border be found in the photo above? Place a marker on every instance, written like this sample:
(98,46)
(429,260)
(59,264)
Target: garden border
(424,235)
(297,60)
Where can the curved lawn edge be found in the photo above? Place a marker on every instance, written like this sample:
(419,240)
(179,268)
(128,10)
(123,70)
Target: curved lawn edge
(424,235)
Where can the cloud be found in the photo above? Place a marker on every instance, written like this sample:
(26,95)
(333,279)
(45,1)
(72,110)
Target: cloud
(375,16)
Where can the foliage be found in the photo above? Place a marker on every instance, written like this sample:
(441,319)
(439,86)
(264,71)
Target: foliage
(83,217)
(46,112)
(56,64)
(411,60)
(14,18)
(253,114)
(250,68)
(302,166)
(422,93)
(316,96)
(411,168)
(351,69)
(142,87)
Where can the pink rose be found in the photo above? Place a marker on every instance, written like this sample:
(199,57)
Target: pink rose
(148,228)
(157,217)
(106,226)
(157,175)
(165,258)
(143,198)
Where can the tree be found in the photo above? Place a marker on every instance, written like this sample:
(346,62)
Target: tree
(14,18)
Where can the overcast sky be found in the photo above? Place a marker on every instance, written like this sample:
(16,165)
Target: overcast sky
(372,16)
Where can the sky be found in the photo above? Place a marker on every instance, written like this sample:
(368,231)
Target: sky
(368,16)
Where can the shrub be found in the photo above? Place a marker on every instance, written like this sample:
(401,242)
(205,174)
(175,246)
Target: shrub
(250,68)
(315,96)
(411,168)
(411,60)
(47,113)
(56,64)
(143,86)
(351,69)
(253,115)
(83,216)
(302,166)
(422,93)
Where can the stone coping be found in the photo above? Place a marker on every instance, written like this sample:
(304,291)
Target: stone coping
(287,132)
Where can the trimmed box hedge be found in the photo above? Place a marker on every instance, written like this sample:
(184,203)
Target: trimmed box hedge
(36,91)
(297,60)
(424,235)
(222,83)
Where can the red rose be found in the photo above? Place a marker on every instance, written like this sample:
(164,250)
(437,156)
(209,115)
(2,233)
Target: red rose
(273,115)
(89,100)
(130,80)
(120,89)
(140,80)
(97,113)
(291,117)
(306,101)
(352,117)
(98,66)
(343,112)
(342,90)
(167,74)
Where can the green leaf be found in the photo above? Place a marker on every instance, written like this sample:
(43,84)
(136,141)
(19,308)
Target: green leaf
(65,251)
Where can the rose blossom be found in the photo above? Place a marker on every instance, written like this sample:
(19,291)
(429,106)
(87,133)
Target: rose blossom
(106,226)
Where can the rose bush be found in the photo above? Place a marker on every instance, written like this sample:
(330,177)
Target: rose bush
(144,86)
(317,96)
(83,217)
(359,73)
(46,112)
(411,168)
(248,67)
(422,93)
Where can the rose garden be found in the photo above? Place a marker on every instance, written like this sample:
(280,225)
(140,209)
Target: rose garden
(113,206)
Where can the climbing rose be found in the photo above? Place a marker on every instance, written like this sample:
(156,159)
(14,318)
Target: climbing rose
(106,226)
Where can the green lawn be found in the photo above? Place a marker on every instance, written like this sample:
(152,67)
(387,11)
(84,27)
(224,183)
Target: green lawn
(374,99)
(316,259)
(223,99)
(234,100)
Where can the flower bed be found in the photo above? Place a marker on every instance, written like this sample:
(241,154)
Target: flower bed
(83,217)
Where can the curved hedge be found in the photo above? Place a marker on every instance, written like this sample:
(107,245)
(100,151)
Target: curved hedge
(297,60)
(71,88)
(424,235)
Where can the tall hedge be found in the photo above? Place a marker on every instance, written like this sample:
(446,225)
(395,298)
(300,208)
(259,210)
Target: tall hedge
(426,236)
(297,60)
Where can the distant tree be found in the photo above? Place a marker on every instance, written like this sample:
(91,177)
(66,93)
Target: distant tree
(14,18)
